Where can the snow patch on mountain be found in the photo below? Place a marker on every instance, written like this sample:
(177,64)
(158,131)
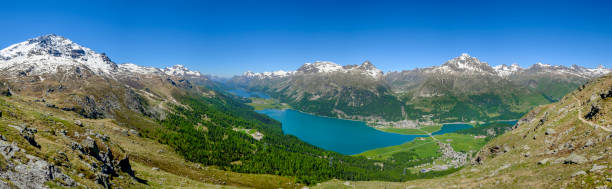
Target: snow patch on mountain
(600,70)
(320,67)
(465,64)
(573,70)
(369,69)
(268,75)
(133,68)
(365,68)
(180,70)
(504,70)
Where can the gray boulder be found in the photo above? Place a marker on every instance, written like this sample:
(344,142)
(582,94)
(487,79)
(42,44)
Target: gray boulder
(578,173)
(597,168)
(550,131)
(575,159)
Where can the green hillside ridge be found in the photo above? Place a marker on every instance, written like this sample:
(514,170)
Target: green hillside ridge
(276,153)
(561,145)
(59,130)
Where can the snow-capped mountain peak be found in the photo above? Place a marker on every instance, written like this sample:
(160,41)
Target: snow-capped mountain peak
(328,67)
(464,56)
(572,70)
(542,65)
(465,64)
(50,53)
(180,70)
(368,68)
(320,67)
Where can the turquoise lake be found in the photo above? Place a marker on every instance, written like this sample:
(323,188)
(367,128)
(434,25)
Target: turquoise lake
(343,136)
(248,94)
(339,135)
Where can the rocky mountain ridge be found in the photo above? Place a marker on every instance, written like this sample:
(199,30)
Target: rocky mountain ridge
(462,65)
(462,89)
(366,68)
(50,54)
(69,76)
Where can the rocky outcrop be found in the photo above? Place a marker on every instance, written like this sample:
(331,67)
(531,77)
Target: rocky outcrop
(104,163)
(32,174)
(592,113)
(28,134)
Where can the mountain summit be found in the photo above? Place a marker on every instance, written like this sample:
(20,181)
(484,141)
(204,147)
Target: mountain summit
(50,54)
(180,70)
(466,64)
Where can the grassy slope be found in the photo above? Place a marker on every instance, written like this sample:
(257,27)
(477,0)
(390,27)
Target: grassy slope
(144,153)
(426,147)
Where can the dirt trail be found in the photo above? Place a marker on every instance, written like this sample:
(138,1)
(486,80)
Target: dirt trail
(585,121)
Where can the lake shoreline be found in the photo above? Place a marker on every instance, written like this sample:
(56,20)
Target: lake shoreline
(347,137)
(369,124)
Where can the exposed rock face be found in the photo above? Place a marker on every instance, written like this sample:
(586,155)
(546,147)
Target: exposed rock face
(592,113)
(32,174)
(106,164)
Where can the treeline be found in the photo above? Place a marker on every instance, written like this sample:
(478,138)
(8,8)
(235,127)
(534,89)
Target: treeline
(202,132)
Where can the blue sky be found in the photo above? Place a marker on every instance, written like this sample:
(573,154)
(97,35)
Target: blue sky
(230,37)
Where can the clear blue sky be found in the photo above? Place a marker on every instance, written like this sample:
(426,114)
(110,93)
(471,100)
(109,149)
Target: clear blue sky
(230,37)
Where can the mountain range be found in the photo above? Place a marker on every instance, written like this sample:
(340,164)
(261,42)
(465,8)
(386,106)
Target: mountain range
(71,117)
(462,89)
